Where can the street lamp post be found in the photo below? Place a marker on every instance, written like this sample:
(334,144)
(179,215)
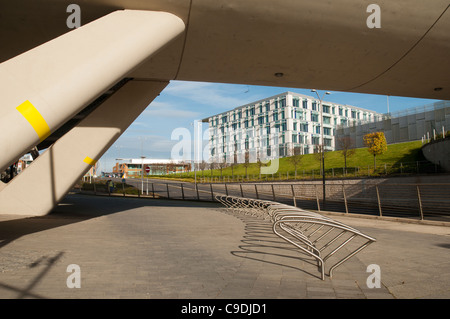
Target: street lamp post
(142,175)
(322,142)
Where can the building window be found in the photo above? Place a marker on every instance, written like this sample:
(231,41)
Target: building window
(315,140)
(318,129)
(305,104)
(283,102)
(294,138)
(300,139)
(340,111)
(261,120)
(314,106)
(326,108)
(275,116)
(327,142)
(304,127)
(314,117)
(295,126)
(326,120)
(295,102)
(327,131)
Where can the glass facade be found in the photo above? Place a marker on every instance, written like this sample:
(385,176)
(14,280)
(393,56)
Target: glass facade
(274,126)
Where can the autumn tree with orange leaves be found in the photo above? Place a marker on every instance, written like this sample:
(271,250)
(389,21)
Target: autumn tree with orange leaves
(376,144)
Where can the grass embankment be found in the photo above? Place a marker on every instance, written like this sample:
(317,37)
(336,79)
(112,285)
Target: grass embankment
(399,158)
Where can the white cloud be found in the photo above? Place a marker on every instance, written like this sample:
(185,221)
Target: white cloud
(165,109)
(212,95)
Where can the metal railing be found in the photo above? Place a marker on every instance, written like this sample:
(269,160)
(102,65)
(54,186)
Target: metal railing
(313,234)
(419,201)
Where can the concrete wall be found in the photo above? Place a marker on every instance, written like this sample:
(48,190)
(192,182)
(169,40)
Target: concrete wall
(404,126)
(438,153)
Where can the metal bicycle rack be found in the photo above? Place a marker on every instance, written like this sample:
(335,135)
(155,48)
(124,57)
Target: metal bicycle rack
(313,234)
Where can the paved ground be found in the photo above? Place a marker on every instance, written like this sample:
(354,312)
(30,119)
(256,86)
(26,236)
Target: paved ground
(147,248)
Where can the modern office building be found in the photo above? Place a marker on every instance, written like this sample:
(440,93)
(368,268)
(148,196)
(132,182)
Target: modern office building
(279,126)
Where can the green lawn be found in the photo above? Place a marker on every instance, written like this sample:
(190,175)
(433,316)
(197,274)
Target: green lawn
(399,158)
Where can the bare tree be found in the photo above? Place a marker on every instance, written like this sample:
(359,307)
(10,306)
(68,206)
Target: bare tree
(260,162)
(212,165)
(296,158)
(347,146)
(202,166)
(320,154)
(246,163)
(221,164)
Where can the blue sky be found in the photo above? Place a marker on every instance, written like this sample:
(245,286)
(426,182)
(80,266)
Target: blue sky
(182,103)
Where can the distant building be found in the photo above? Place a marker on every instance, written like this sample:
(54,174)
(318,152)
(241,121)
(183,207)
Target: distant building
(134,167)
(408,125)
(275,126)
(16,168)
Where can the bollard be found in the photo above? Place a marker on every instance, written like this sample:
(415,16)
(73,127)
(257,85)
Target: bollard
(420,203)
(379,202)
(293,195)
(182,191)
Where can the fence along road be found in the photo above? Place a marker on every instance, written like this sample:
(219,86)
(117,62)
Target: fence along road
(419,201)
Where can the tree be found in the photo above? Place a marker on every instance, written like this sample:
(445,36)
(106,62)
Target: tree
(221,164)
(320,154)
(212,165)
(347,146)
(260,161)
(246,163)
(202,166)
(296,158)
(376,144)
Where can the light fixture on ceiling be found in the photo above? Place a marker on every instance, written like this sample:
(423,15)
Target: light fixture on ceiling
(279,74)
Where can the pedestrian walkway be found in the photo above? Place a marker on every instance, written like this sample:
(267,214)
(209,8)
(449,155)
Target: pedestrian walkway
(151,248)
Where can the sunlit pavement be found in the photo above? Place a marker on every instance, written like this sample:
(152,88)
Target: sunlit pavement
(149,248)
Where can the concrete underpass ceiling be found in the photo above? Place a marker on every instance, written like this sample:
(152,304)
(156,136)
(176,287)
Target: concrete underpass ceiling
(315,44)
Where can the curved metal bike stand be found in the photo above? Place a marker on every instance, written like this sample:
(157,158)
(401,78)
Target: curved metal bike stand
(308,231)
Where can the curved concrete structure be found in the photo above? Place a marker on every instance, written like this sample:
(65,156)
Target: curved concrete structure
(438,152)
(50,73)
(321,44)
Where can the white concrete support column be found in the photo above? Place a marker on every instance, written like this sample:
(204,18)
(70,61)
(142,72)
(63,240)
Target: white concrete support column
(48,179)
(43,88)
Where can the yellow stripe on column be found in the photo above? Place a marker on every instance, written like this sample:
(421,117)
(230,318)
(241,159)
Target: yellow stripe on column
(89,161)
(32,115)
